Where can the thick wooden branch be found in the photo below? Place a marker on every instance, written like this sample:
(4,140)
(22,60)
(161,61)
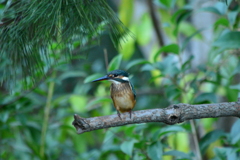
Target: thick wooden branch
(171,115)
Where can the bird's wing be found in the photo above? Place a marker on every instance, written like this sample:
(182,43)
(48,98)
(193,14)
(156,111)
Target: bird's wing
(133,90)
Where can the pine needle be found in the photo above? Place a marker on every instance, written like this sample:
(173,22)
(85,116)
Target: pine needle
(34,34)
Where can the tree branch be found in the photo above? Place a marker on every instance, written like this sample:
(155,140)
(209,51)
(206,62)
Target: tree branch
(171,115)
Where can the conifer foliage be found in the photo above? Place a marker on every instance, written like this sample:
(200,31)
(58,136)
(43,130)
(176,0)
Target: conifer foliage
(33,33)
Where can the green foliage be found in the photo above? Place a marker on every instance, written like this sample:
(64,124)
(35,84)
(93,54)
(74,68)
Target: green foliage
(36,35)
(172,48)
(115,63)
(209,138)
(127,146)
(159,79)
(229,40)
(154,151)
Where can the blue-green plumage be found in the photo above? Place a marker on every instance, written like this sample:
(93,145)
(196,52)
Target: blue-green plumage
(122,91)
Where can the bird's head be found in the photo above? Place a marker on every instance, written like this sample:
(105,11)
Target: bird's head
(116,76)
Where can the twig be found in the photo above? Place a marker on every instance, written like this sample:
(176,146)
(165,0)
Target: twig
(156,23)
(106,58)
(195,140)
(46,116)
(170,115)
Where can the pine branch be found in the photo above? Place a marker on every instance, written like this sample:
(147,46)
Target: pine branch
(171,115)
(32,32)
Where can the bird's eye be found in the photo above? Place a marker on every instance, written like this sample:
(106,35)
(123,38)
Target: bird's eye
(115,75)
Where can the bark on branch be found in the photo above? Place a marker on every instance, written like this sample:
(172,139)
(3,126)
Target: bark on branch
(171,115)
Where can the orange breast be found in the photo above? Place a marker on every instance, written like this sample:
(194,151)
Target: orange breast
(124,103)
(122,97)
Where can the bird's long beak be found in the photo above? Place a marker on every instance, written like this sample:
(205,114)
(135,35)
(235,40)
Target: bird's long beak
(101,79)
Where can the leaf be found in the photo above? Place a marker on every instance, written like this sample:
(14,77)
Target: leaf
(203,97)
(115,63)
(143,29)
(166,131)
(237,86)
(136,62)
(129,130)
(209,138)
(170,129)
(92,77)
(167,5)
(211,9)
(187,64)
(127,146)
(34,125)
(109,135)
(179,16)
(229,40)
(171,48)
(219,8)
(178,154)
(226,153)
(4,116)
(168,66)
(232,15)
(97,101)
(126,11)
(186,41)
(108,144)
(154,151)
(237,69)
(71,74)
(172,92)
(140,127)
(78,103)
(60,100)
(187,29)
(34,148)
(233,153)
(21,118)
(127,43)
(234,133)
(221,21)
(228,69)
(147,67)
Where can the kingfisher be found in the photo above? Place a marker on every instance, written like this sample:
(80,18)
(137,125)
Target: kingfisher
(122,91)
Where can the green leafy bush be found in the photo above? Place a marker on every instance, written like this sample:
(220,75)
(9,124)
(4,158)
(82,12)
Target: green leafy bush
(166,75)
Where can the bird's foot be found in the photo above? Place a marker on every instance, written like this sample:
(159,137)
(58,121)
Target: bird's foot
(119,115)
(130,112)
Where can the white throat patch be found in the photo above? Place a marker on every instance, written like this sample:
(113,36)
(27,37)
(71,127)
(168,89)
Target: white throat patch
(125,78)
(116,82)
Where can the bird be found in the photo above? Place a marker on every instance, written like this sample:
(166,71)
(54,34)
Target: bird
(122,91)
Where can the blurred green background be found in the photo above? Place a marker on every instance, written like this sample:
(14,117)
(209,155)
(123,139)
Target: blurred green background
(189,55)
